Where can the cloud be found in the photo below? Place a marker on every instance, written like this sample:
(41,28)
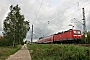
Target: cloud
(49,16)
(88,22)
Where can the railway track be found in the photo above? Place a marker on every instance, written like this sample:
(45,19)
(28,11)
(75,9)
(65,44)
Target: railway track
(87,45)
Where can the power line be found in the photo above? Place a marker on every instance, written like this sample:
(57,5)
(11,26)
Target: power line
(34,21)
(38,10)
(62,12)
(72,13)
(66,10)
(61,15)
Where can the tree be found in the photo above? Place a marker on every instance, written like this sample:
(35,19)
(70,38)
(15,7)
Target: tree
(87,39)
(15,26)
(41,38)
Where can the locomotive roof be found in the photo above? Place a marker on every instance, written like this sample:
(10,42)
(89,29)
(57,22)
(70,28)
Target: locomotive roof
(63,32)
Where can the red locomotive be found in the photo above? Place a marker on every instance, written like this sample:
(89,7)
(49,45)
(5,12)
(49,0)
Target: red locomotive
(66,36)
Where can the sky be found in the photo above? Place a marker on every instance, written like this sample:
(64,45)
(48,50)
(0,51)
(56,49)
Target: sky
(49,16)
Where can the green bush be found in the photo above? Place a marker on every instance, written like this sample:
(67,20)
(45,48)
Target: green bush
(22,43)
(5,42)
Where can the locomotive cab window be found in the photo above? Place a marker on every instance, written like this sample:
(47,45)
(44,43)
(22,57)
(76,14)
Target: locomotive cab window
(76,32)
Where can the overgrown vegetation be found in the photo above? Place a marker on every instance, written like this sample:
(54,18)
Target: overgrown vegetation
(5,52)
(59,52)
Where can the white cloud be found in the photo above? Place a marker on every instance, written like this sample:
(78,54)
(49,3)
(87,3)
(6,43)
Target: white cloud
(52,16)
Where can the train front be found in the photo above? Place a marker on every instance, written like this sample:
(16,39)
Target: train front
(77,35)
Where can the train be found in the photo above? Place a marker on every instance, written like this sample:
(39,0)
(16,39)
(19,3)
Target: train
(68,36)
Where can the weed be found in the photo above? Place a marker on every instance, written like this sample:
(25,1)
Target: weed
(7,51)
(59,52)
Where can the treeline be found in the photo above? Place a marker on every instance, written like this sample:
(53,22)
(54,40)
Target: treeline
(15,27)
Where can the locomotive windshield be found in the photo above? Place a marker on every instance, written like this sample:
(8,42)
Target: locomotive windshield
(77,32)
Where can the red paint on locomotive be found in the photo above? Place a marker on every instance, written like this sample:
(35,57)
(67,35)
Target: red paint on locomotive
(70,35)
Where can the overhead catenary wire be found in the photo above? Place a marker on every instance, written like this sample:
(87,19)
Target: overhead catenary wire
(71,13)
(67,9)
(61,15)
(61,12)
(36,16)
(38,11)
(51,19)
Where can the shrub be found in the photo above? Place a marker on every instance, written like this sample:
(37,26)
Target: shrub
(5,42)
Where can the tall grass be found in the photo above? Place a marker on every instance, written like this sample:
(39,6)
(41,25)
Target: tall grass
(7,51)
(59,52)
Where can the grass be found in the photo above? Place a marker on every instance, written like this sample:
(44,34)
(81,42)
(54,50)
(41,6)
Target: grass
(5,52)
(59,52)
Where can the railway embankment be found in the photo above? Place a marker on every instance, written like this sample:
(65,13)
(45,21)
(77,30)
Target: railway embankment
(59,52)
